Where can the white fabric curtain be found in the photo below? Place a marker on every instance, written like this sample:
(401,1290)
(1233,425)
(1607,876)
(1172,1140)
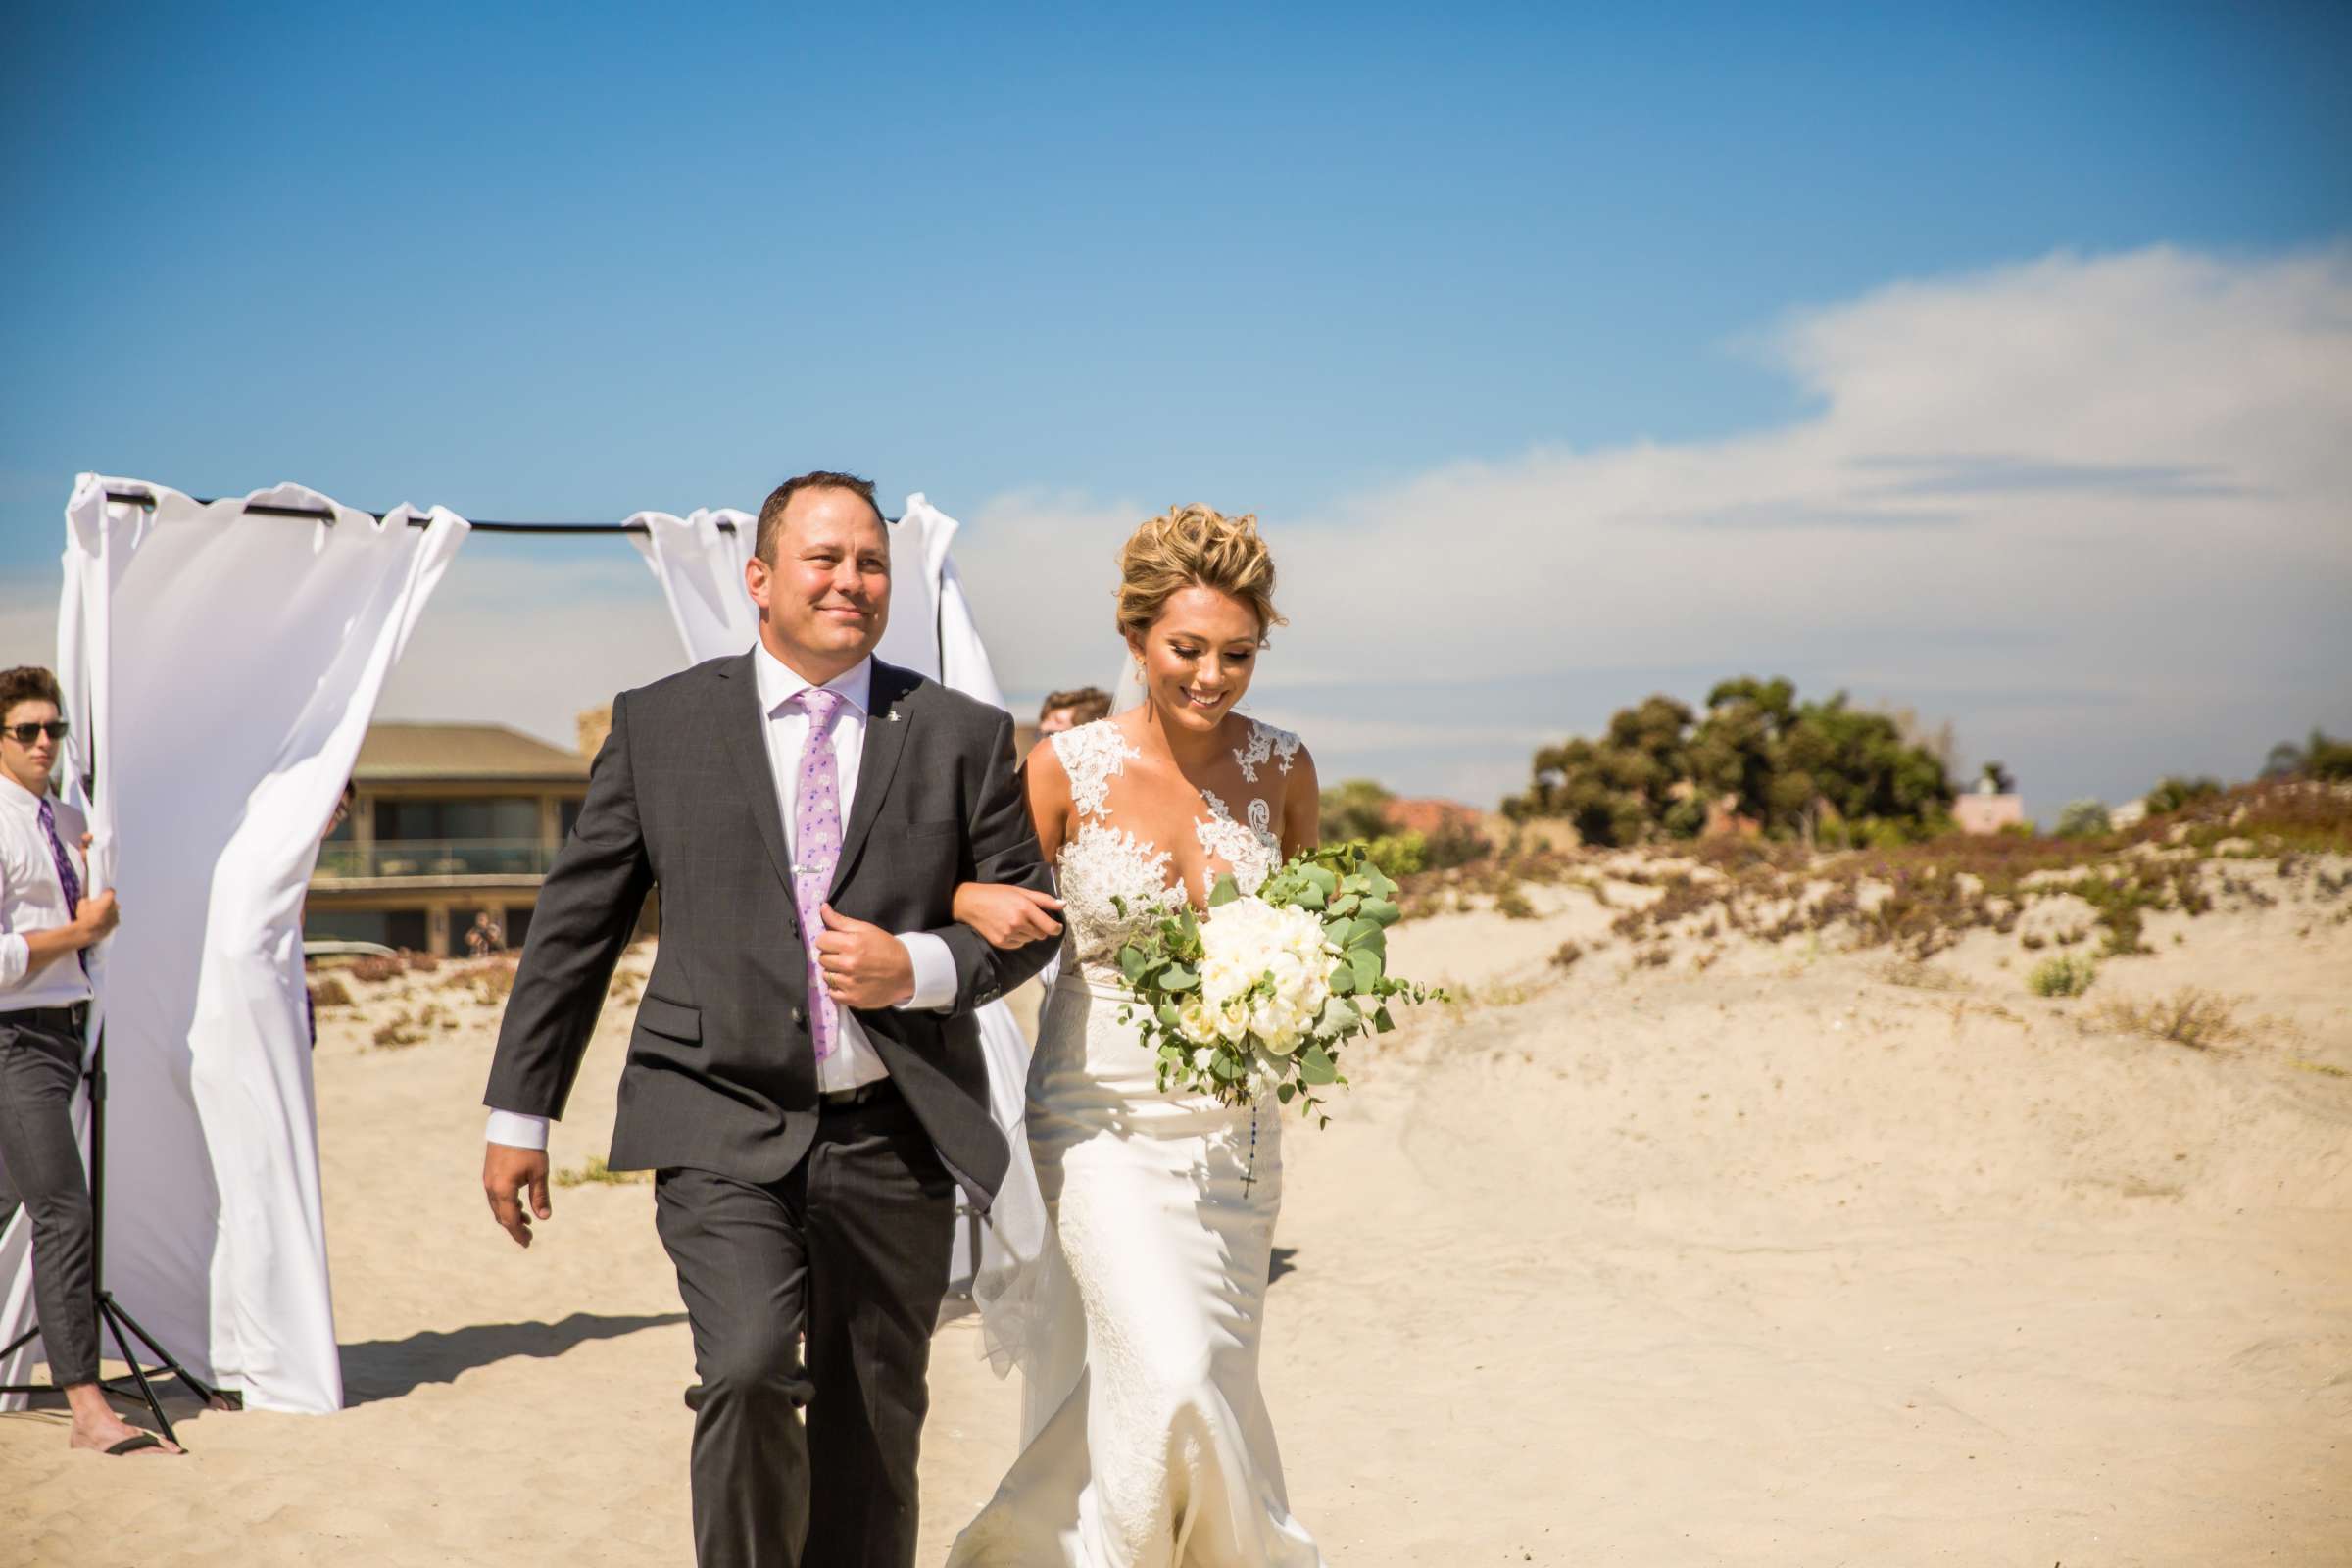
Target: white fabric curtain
(932,632)
(223,666)
(699,561)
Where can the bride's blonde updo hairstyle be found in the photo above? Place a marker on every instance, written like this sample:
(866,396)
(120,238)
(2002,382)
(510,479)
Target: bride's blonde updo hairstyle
(1189,547)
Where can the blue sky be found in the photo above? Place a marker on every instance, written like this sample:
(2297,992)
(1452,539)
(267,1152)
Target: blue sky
(563,264)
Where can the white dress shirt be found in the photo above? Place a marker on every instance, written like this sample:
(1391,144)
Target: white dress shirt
(855,1060)
(33,900)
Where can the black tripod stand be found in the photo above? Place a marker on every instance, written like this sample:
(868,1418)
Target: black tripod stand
(109,1314)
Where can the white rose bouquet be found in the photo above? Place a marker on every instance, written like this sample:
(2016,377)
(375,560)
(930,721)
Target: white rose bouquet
(1257,996)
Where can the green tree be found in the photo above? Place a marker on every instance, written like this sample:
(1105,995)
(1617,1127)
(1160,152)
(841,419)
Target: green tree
(2172,794)
(2323,757)
(1780,760)
(2083,819)
(1617,789)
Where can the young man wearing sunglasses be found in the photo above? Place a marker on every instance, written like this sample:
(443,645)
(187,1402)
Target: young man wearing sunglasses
(47,925)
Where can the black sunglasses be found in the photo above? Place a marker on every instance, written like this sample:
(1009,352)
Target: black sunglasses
(25,734)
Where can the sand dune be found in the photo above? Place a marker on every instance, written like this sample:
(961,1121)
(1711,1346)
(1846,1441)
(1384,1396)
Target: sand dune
(1803,1257)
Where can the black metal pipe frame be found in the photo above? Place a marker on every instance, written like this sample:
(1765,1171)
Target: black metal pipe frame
(263,508)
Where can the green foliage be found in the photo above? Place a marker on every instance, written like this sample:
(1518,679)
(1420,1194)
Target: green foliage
(1454,842)
(1614,790)
(1359,810)
(2065,976)
(2172,794)
(2083,819)
(1398,855)
(2323,757)
(1355,808)
(1784,763)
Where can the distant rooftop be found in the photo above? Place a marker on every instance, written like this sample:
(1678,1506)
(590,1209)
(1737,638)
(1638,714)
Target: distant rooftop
(393,753)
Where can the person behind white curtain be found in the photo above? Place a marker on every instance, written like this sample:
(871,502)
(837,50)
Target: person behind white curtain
(48,923)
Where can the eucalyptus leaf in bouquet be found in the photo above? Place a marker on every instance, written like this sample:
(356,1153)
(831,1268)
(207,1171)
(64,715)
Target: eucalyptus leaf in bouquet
(1258,996)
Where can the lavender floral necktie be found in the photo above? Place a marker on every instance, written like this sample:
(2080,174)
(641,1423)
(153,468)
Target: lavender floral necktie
(67,881)
(816,849)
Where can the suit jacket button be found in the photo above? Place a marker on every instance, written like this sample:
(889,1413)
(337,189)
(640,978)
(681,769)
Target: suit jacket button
(796,1016)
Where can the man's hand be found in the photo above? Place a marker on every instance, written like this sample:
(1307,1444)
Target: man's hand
(506,1173)
(1005,914)
(864,965)
(98,915)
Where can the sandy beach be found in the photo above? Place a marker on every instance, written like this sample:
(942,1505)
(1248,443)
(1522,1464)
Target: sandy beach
(1759,1253)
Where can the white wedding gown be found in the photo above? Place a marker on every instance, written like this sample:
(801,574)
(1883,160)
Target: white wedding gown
(1145,1440)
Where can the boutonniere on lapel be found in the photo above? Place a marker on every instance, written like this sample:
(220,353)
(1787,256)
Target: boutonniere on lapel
(894,715)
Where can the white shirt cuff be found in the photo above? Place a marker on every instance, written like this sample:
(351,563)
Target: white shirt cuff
(933,973)
(15,958)
(516,1130)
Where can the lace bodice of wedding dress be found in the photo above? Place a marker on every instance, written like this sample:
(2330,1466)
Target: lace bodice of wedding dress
(1113,884)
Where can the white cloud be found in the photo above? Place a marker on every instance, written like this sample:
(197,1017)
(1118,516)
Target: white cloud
(2091,508)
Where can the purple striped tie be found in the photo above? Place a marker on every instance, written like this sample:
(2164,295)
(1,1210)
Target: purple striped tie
(816,851)
(67,881)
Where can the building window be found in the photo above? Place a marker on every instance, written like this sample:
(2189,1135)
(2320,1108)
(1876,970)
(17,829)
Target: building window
(392,929)
(400,820)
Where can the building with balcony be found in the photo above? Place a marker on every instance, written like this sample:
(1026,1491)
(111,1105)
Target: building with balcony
(449,821)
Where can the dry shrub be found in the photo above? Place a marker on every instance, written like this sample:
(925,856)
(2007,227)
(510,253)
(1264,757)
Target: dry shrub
(373,970)
(1566,954)
(597,1173)
(1918,976)
(329,990)
(1511,903)
(2197,1019)
(400,1031)
(2065,975)
(490,982)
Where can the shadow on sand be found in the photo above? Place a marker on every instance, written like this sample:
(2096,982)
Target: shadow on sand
(386,1369)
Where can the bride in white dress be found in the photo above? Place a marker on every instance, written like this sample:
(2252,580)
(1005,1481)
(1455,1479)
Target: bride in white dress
(1145,1441)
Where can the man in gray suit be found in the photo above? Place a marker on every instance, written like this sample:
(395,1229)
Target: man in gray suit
(805,1074)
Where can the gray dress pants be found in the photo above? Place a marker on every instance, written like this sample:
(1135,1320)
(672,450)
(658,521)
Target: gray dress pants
(41,1171)
(811,1301)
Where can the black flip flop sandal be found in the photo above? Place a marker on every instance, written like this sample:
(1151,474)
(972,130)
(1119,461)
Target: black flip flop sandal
(145,1439)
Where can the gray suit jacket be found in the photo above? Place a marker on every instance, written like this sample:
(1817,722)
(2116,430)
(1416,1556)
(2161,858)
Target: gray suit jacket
(722,1074)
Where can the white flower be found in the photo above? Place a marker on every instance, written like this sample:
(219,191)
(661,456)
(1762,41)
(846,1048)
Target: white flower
(1196,1022)
(1265,974)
